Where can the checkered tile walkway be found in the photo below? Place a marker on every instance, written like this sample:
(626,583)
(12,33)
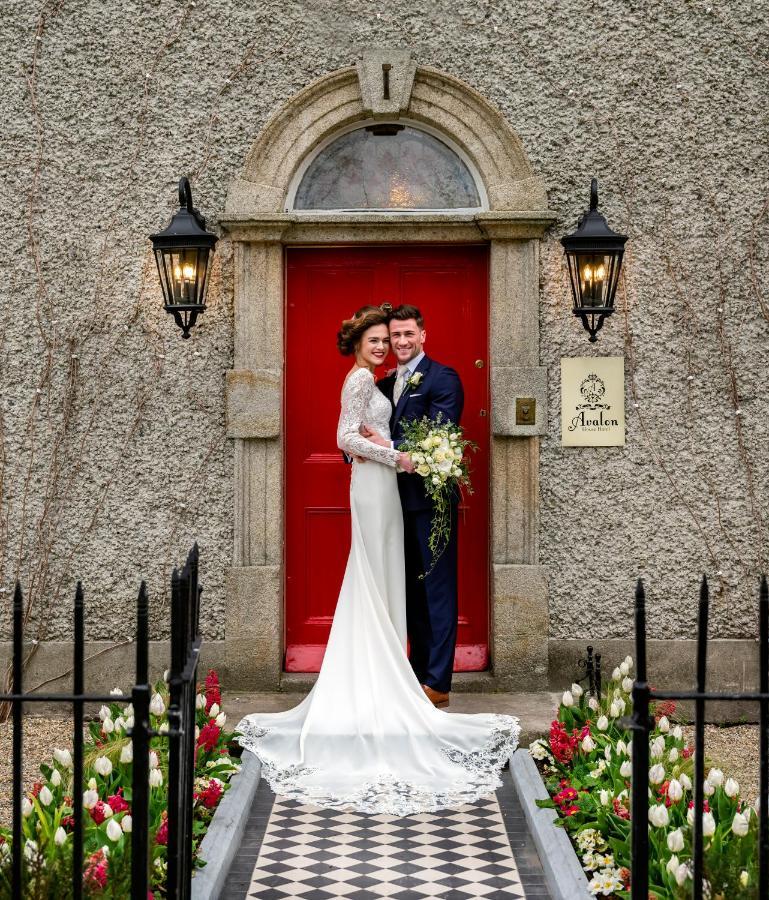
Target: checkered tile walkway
(478,850)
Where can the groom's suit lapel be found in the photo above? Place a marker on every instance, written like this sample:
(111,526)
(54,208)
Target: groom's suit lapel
(423,367)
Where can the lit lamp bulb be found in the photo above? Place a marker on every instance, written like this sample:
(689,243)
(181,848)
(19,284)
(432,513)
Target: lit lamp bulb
(189,272)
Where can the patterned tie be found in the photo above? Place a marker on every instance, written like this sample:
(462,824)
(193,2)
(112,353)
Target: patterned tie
(400,384)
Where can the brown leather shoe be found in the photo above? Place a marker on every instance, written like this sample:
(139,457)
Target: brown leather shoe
(437,698)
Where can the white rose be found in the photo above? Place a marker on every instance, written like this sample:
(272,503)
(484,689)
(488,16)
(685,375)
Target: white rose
(588,744)
(657,774)
(716,777)
(26,807)
(55,777)
(127,753)
(45,796)
(664,724)
(126,823)
(156,778)
(576,690)
(60,836)
(731,788)
(676,841)
(675,791)
(740,825)
(567,699)
(63,757)
(627,685)
(90,799)
(626,769)
(602,724)
(157,707)
(658,816)
(708,824)
(114,831)
(103,766)
(436,479)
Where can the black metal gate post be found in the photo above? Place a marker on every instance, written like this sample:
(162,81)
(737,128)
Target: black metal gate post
(78,687)
(641,726)
(699,738)
(763,720)
(140,735)
(16,707)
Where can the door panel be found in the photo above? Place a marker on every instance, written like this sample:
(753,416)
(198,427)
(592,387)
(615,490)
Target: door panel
(324,286)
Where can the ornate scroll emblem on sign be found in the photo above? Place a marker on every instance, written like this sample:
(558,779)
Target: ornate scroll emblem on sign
(593,401)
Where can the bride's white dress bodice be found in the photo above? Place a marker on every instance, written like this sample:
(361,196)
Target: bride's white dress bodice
(366,737)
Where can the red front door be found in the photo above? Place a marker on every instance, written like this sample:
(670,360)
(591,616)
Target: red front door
(324,286)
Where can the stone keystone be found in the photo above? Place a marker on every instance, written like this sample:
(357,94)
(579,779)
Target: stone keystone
(383,72)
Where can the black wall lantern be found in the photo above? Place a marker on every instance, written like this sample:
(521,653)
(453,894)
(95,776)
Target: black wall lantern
(594,253)
(183,253)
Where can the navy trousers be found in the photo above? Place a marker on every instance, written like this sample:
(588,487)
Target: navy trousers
(431,602)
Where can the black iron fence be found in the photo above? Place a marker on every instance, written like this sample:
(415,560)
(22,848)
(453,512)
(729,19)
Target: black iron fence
(185,651)
(643,722)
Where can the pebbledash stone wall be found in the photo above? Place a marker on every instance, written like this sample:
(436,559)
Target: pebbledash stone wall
(115,453)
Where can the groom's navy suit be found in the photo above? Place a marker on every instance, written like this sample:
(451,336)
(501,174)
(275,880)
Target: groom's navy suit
(431,602)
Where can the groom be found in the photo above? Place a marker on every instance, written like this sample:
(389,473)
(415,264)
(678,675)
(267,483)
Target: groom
(420,386)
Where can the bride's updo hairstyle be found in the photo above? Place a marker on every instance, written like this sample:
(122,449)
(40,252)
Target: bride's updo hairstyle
(349,335)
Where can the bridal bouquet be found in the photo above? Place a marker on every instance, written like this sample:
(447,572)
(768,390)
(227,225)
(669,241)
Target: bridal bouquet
(438,450)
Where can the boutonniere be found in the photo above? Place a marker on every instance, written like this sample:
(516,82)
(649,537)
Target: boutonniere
(415,380)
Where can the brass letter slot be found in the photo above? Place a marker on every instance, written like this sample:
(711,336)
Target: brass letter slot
(525,411)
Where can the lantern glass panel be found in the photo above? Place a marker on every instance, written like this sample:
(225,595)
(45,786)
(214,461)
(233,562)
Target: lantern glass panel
(593,274)
(183,274)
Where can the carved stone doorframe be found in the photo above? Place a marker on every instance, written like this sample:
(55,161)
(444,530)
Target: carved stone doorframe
(260,228)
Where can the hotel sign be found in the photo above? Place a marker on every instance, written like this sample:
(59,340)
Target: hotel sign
(593,401)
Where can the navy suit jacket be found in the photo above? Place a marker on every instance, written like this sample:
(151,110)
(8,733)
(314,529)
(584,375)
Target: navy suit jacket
(440,391)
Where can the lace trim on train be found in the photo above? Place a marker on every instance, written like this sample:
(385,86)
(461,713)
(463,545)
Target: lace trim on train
(386,794)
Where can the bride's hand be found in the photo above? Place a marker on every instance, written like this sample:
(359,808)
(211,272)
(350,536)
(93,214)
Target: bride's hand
(404,461)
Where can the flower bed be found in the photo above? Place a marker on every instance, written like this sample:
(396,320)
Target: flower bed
(47,810)
(586,766)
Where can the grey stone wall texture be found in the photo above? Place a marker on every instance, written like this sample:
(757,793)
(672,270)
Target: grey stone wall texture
(114,454)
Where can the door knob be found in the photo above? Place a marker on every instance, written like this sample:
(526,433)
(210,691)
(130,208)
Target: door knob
(479,364)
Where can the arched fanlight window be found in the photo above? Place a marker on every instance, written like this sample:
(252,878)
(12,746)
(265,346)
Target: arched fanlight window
(387,166)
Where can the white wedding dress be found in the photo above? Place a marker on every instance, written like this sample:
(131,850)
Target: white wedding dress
(366,737)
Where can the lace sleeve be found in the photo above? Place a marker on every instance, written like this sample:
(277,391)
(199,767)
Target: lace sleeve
(355,398)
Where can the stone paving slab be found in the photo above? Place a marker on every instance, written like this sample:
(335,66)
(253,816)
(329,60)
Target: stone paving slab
(476,850)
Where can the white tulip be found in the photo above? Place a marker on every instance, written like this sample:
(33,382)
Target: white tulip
(708,824)
(166,676)
(60,836)
(127,823)
(740,825)
(114,831)
(673,864)
(156,778)
(602,724)
(676,841)
(26,807)
(682,875)
(119,725)
(214,711)
(103,766)
(732,787)
(614,710)
(630,748)
(576,690)
(664,725)
(30,849)
(658,816)
(657,747)
(63,757)
(607,753)
(104,713)
(93,784)
(626,769)
(621,747)
(567,699)
(116,692)
(657,774)
(627,685)
(620,705)
(90,799)
(157,707)
(45,796)
(588,744)
(154,761)
(163,728)
(675,791)
(129,710)
(129,723)
(707,788)
(716,777)
(624,668)
(200,701)
(197,732)
(108,726)
(593,704)
(629,662)
(616,675)
(673,754)
(127,753)
(221,719)
(686,782)
(744,878)
(55,777)
(678,733)
(604,797)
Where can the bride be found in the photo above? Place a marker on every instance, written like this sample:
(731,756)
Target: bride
(366,737)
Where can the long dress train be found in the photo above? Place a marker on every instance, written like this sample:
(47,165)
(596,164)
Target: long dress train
(366,737)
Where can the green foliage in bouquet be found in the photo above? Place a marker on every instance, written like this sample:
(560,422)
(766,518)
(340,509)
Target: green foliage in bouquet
(586,765)
(438,449)
(47,810)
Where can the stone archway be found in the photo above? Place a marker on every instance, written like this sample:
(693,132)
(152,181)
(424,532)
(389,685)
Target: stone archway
(260,227)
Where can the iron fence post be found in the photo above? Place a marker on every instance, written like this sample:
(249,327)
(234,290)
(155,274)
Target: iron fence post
(16,710)
(763,719)
(140,697)
(699,739)
(78,684)
(639,885)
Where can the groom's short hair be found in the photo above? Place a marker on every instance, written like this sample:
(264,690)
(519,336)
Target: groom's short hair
(405,311)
